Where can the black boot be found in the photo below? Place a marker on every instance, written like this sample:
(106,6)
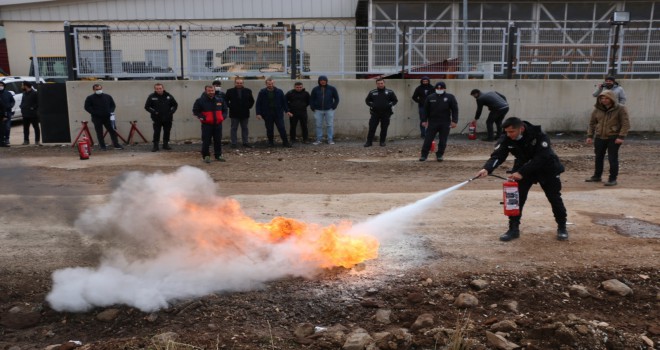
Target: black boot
(166,146)
(562,233)
(155,147)
(512,233)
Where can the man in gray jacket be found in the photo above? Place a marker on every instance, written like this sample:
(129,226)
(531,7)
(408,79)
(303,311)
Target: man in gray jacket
(498,107)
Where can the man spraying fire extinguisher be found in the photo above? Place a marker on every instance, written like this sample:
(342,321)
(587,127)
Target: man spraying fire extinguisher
(535,162)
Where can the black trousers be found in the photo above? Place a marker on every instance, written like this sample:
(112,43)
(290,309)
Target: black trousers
(495,118)
(551,186)
(166,126)
(602,146)
(384,121)
(233,131)
(3,126)
(99,123)
(272,121)
(293,124)
(26,129)
(211,132)
(442,130)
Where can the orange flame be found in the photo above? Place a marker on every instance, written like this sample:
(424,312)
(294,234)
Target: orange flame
(224,227)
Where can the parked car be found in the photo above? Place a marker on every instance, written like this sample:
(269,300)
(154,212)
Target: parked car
(13,85)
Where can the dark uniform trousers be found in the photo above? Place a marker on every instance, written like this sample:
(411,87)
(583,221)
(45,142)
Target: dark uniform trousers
(436,128)
(211,131)
(384,121)
(551,186)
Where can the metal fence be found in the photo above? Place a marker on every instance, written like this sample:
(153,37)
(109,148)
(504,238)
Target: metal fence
(197,52)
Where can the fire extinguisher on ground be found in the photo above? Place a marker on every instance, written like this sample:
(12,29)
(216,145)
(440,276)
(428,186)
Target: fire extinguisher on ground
(83,148)
(472,130)
(511,198)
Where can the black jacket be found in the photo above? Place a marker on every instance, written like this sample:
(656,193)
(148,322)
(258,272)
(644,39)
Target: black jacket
(298,101)
(210,110)
(8,101)
(239,107)
(441,109)
(422,92)
(535,158)
(381,101)
(491,99)
(161,107)
(100,106)
(30,104)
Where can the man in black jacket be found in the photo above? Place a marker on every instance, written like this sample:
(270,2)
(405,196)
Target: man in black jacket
(162,105)
(441,111)
(498,107)
(29,109)
(421,93)
(380,101)
(8,103)
(239,101)
(101,106)
(211,110)
(298,100)
(535,162)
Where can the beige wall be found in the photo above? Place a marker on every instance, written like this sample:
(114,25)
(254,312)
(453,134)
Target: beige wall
(559,105)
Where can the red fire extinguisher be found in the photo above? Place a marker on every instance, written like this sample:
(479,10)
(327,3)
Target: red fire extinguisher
(511,198)
(83,148)
(472,130)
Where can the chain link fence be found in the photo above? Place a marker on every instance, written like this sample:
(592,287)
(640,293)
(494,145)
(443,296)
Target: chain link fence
(202,53)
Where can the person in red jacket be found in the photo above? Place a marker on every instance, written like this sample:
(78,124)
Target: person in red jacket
(210,109)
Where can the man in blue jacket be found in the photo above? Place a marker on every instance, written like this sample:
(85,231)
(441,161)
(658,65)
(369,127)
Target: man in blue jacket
(323,102)
(270,107)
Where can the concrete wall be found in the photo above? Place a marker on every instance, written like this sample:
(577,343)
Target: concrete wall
(557,105)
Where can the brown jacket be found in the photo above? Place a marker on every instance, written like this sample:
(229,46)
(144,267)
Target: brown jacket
(607,123)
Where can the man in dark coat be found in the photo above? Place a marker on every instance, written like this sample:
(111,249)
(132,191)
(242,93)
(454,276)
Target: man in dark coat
(421,92)
(535,162)
(298,101)
(271,106)
(101,107)
(498,108)
(8,102)
(210,109)
(441,111)
(29,109)
(161,105)
(380,101)
(239,101)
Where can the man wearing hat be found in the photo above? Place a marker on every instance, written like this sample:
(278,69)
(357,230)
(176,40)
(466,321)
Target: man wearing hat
(7,104)
(441,112)
(611,84)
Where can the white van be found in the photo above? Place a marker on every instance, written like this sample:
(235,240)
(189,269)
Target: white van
(13,85)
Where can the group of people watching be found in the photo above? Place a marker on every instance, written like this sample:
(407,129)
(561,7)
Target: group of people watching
(29,109)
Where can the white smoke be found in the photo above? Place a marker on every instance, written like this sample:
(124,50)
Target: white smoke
(157,250)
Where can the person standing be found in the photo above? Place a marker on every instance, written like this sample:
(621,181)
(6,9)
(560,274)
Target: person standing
(101,106)
(162,106)
(298,101)
(271,106)
(498,107)
(536,162)
(217,86)
(608,127)
(3,122)
(441,111)
(324,100)
(7,100)
(30,110)
(611,84)
(380,101)
(421,92)
(239,100)
(210,109)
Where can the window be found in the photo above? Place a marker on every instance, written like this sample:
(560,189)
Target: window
(156,58)
(94,62)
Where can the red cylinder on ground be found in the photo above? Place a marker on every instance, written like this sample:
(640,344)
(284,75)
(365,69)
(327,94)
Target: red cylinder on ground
(511,198)
(472,130)
(83,148)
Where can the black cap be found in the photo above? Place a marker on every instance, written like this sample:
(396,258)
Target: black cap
(440,84)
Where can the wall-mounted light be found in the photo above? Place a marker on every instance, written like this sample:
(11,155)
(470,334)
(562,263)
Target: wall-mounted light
(97,36)
(85,36)
(169,36)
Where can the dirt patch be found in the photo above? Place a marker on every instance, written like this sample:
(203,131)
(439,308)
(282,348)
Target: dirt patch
(423,270)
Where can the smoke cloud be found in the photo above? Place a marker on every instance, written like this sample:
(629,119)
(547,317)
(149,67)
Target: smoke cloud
(169,237)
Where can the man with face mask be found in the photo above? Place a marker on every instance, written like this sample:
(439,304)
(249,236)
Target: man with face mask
(441,112)
(535,162)
(611,84)
(6,103)
(217,85)
(101,106)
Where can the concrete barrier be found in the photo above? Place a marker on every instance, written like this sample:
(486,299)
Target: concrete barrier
(557,105)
